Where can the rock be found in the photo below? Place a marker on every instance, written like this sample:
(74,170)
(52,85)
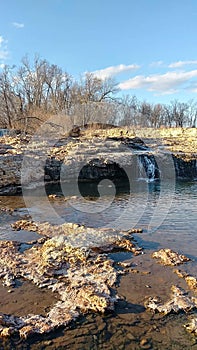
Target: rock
(8,280)
(130,336)
(6,332)
(145,344)
(81,277)
(25,225)
(191,326)
(190,280)
(75,132)
(169,257)
(180,301)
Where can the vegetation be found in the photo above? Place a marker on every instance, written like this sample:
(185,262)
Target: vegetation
(32,93)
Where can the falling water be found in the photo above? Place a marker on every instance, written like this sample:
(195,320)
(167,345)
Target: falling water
(149,165)
(146,161)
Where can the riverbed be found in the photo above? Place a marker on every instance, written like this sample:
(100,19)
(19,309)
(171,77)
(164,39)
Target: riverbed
(168,218)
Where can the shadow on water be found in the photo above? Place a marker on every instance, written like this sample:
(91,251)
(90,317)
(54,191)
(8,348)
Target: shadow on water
(147,245)
(123,307)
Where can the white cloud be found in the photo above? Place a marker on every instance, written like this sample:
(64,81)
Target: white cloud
(3,48)
(180,64)
(114,70)
(2,65)
(167,83)
(18,25)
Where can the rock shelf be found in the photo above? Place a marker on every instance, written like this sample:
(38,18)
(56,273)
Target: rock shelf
(175,145)
(81,276)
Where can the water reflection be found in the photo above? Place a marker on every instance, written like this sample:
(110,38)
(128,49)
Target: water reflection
(128,208)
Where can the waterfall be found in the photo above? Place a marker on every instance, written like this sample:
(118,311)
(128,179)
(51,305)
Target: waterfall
(149,164)
(146,161)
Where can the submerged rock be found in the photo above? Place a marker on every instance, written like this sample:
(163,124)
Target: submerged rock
(169,257)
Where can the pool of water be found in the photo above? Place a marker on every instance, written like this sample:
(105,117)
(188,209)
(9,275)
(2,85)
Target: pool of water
(167,216)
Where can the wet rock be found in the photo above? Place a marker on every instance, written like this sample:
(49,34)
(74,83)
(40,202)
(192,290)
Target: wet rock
(7,210)
(65,261)
(125,263)
(24,225)
(103,240)
(131,337)
(169,257)
(145,344)
(191,326)
(180,301)
(135,230)
(190,280)
(8,280)
(6,331)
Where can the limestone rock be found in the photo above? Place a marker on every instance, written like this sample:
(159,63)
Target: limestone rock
(80,276)
(180,301)
(169,257)
(190,280)
(191,326)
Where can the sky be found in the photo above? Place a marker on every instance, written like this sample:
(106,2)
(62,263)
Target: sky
(149,47)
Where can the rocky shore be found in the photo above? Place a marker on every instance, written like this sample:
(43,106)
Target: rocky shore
(82,276)
(73,262)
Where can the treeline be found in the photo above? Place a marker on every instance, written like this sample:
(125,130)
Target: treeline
(32,93)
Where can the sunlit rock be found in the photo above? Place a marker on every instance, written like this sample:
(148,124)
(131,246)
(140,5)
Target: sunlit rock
(180,301)
(69,263)
(190,280)
(191,326)
(169,257)
(192,283)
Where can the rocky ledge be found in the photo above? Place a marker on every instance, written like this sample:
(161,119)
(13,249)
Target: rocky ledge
(96,155)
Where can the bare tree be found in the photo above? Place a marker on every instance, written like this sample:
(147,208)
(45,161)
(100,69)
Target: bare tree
(32,93)
(179,113)
(91,97)
(157,116)
(10,104)
(192,113)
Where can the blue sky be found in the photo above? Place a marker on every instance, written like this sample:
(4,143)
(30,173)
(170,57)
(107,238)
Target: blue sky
(148,46)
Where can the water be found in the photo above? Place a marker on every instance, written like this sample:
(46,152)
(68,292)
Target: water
(176,211)
(167,222)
